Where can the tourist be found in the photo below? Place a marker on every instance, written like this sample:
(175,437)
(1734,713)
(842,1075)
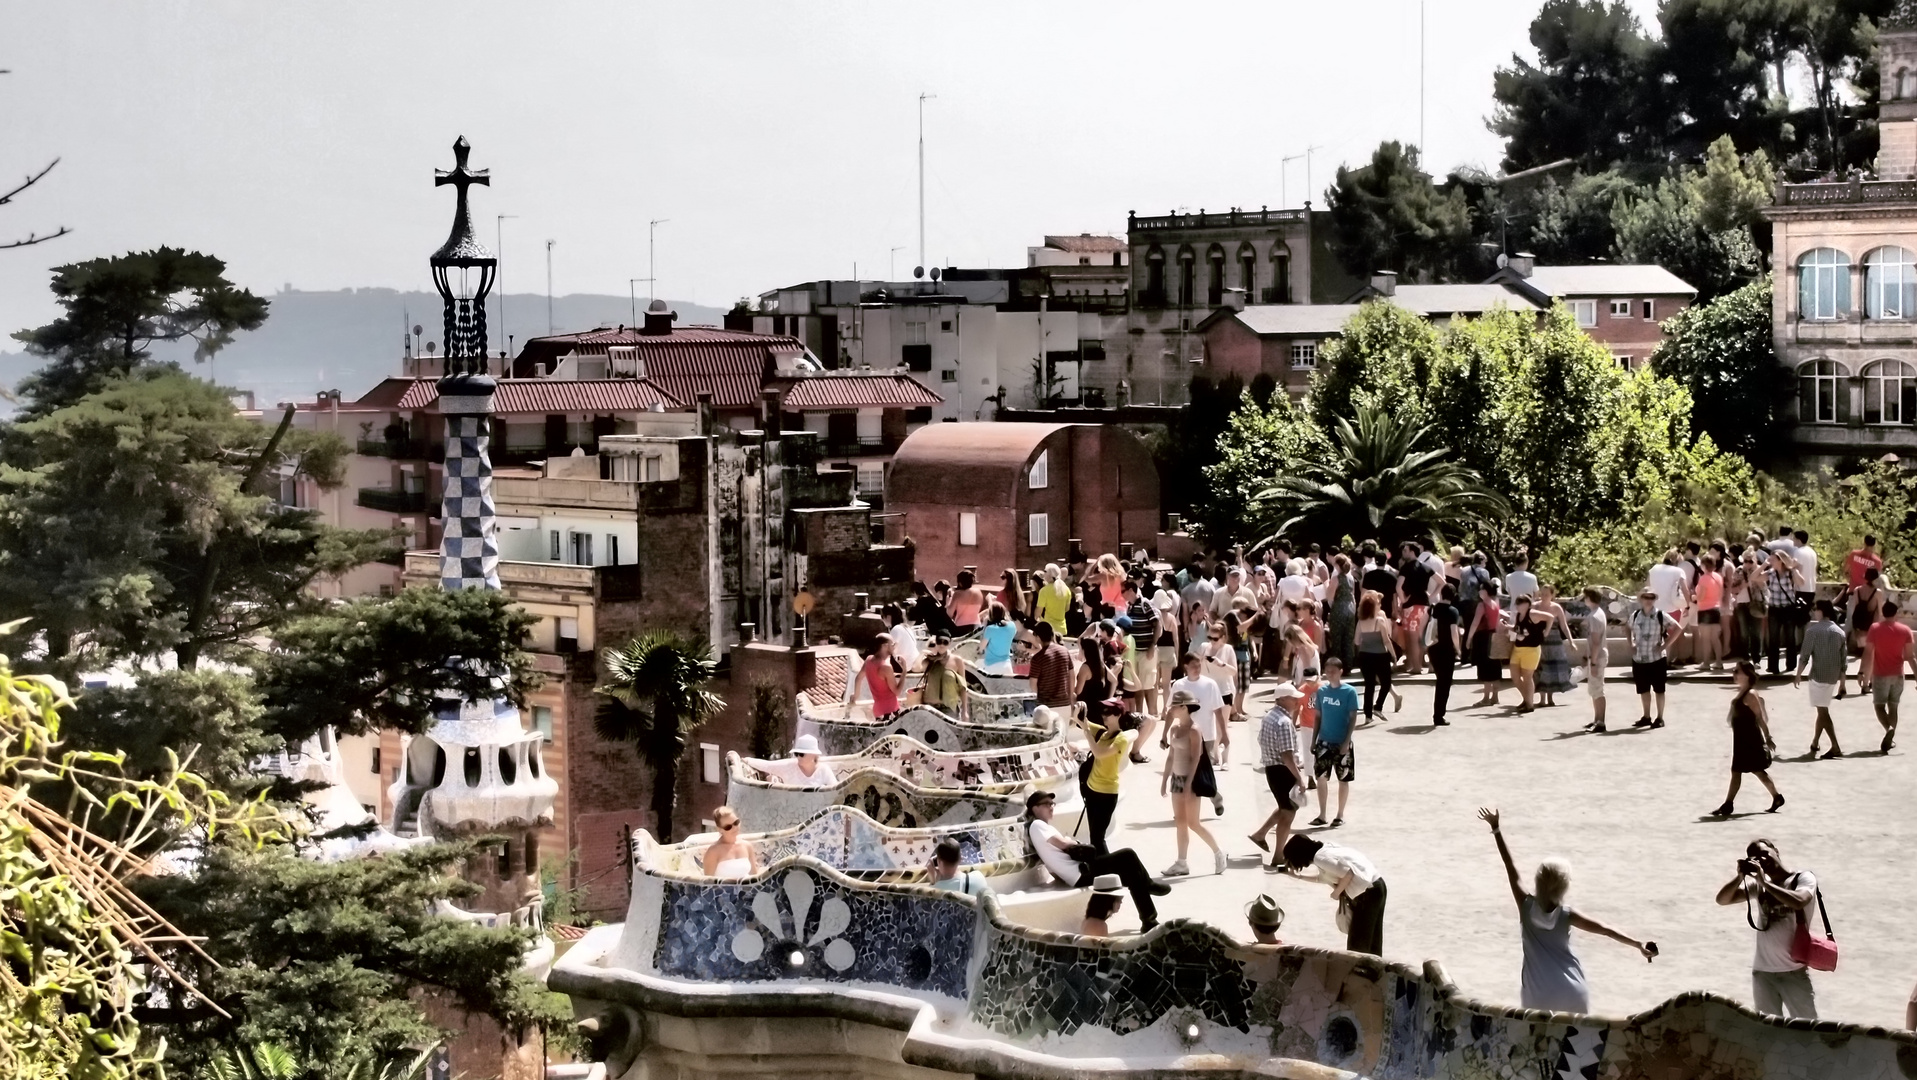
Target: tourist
(1212,718)
(1234,593)
(1862,559)
(1050,669)
(1708,596)
(1197,627)
(944,687)
(1472,579)
(1780,984)
(729,856)
(1887,651)
(1355,883)
(1751,742)
(1012,595)
(1145,635)
(1165,603)
(1337,707)
(1527,649)
(1111,731)
(1446,645)
(997,636)
(1265,917)
(1196,588)
(1780,602)
(1671,583)
(1237,636)
(880,679)
(966,604)
(1078,865)
(1519,581)
(1380,578)
(1866,605)
(1825,653)
(1101,906)
(929,611)
(1284,770)
(1597,656)
(1553,977)
(905,643)
(1053,600)
(1221,666)
(1299,659)
(812,772)
(1553,676)
(1341,609)
(1376,654)
(1097,672)
(1187,778)
(1487,618)
(1652,631)
(946,876)
(1109,578)
(1751,594)
(1414,604)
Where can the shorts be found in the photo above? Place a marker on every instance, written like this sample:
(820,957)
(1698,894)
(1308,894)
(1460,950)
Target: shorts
(1412,619)
(1281,780)
(1594,684)
(1710,618)
(1822,694)
(1887,689)
(1177,783)
(1325,760)
(1167,657)
(1649,677)
(1526,657)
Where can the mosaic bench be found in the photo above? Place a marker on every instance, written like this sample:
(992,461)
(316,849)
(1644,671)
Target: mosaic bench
(846,839)
(1045,765)
(883,796)
(843,731)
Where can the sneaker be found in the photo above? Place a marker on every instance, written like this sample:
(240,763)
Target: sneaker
(1595,727)
(1658,723)
(1776,803)
(1645,722)
(1177,869)
(1218,858)
(1890,740)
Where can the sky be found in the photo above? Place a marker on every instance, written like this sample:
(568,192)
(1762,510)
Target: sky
(777,141)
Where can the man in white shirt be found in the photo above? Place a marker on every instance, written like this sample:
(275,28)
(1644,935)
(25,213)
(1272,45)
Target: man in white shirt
(1667,580)
(1211,717)
(1077,865)
(810,771)
(1520,582)
(1232,593)
(905,644)
(1780,985)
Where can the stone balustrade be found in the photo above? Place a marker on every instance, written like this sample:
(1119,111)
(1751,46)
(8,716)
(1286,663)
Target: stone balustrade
(1040,765)
(765,799)
(845,730)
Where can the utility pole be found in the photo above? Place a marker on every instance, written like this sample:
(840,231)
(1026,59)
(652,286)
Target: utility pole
(652,282)
(499,279)
(632,297)
(892,267)
(923,98)
(1421,78)
(549,326)
(1284,173)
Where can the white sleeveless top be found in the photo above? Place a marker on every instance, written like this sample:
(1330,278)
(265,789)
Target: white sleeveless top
(733,868)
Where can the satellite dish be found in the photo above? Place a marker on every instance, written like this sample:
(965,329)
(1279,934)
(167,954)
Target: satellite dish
(935,273)
(1503,260)
(432,347)
(418,329)
(918,271)
(803,603)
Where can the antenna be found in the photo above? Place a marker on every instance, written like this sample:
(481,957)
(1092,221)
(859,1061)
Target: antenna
(549,326)
(923,98)
(499,278)
(1421,78)
(652,281)
(892,267)
(1284,198)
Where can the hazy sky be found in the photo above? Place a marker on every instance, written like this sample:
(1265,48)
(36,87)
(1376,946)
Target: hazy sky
(297,140)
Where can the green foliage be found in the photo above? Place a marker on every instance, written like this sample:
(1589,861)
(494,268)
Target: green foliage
(1388,215)
(1591,95)
(1385,478)
(116,308)
(323,958)
(563,906)
(270,1061)
(655,697)
(1572,222)
(1262,441)
(1383,356)
(771,719)
(1671,225)
(1723,352)
(371,663)
(124,514)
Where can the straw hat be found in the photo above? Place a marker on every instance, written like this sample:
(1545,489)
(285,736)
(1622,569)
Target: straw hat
(1264,913)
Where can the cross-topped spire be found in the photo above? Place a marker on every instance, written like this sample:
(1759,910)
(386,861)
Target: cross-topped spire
(461,175)
(462,246)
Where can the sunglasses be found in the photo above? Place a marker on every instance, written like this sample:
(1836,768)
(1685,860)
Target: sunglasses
(727,826)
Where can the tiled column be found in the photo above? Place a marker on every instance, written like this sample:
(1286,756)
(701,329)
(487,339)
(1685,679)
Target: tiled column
(469,552)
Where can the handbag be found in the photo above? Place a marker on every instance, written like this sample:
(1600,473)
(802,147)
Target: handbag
(1500,644)
(1818,954)
(1203,783)
(1344,914)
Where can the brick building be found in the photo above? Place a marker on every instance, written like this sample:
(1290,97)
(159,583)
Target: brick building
(1016,495)
(1621,307)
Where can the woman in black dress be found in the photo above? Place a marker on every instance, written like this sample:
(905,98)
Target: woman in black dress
(1751,742)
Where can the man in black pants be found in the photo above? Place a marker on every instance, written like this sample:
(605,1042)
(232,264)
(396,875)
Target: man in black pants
(1446,643)
(1078,864)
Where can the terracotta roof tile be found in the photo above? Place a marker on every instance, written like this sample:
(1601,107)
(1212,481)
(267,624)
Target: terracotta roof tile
(518,396)
(851,391)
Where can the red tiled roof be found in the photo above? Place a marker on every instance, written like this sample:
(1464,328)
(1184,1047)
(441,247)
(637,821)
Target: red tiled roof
(730,364)
(851,391)
(518,396)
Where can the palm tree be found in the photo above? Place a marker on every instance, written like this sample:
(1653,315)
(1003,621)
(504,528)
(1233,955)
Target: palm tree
(1385,478)
(655,697)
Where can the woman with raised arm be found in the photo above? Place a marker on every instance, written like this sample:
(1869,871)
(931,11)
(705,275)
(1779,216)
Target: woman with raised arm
(1553,978)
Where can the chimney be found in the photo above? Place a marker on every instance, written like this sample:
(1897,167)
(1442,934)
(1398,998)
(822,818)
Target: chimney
(1235,299)
(659,318)
(1385,282)
(769,413)
(1521,263)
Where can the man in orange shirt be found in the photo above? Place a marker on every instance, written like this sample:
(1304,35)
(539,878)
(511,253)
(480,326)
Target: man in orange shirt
(1862,559)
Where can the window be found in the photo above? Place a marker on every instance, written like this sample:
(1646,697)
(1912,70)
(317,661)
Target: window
(612,549)
(1586,312)
(1038,530)
(532,853)
(1154,279)
(1041,474)
(1215,286)
(505,857)
(375,761)
(1304,354)
(1890,284)
(1084,260)
(1650,309)
(581,549)
(1823,284)
(1890,392)
(1248,272)
(709,762)
(554,534)
(968,530)
(871,479)
(1620,309)
(948,375)
(915,332)
(945,326)
(1187,278)
(1622,360)
(1818,383)
(568,635)
(542,720)
(652,467)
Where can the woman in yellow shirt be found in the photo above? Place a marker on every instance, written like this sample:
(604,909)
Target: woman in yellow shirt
(1111,734)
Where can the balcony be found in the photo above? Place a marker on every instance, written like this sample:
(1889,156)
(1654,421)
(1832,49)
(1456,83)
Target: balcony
(1228,219)
(402,449)
(1848,192)
(393,502)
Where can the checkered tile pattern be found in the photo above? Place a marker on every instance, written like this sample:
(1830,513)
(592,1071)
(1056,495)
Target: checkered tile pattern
(1580,1054)
(469,552)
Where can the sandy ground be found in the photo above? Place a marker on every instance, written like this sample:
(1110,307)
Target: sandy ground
(1626,808)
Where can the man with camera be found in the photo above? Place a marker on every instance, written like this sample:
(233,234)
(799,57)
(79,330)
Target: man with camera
(1777,902)
(1081,864)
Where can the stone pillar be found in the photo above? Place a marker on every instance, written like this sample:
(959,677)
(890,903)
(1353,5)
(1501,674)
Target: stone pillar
(469,552)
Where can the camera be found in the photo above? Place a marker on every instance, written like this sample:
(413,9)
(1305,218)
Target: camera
(1748,866)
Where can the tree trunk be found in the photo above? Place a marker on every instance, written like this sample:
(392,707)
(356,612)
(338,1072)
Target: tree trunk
(665,790)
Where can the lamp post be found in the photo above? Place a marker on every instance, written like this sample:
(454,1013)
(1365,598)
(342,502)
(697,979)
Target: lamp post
(463,272)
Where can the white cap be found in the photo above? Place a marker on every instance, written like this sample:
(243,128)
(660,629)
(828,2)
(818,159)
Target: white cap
(805,744)
(1286,690)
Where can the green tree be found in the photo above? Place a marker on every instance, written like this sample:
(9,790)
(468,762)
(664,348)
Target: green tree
(1383,356)
(1723,352)
(118,308)
(1698,223)
(1592,95)
(1190,442)
(1389,215)
(1261,441)
(655,696)
(1572,222)
(1386,478)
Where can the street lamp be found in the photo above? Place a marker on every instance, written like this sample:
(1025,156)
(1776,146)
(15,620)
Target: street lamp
(463,272)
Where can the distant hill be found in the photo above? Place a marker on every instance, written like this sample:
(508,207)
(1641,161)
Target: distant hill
(350,339)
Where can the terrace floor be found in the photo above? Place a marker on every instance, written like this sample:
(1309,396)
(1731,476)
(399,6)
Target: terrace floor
(1626,808)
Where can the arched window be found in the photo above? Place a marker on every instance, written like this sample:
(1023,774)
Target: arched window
(1890,392)
(1248,272)
(1906,83)
(1819,383)
(1155,277)
(1890,284)
(1215,285)
(1187,277)
(1823,284)
(1280,275)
